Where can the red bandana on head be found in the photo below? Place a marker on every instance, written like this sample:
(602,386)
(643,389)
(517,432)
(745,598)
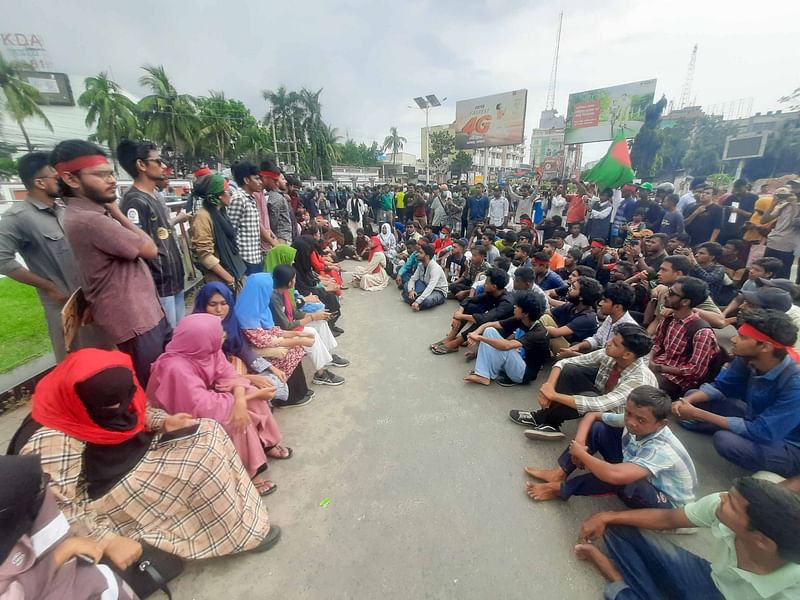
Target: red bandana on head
(80,163)
(748,330)
(57,405)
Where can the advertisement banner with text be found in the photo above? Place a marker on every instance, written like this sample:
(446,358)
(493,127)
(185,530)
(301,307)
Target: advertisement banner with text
(597,115)
(497,120)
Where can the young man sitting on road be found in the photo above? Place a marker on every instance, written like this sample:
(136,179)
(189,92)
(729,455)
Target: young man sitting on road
(645,464)
(755,533)
(684,345)
(575,320)
(753,406)
(596,382)
(513,350)
(428,285)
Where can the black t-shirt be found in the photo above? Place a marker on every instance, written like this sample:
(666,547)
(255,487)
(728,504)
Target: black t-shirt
(583,324)
(746,201)
(454,267)
(152,216)
(701,228)
(535,344)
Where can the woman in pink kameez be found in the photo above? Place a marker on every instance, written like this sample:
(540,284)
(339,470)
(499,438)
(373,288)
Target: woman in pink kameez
(193,376)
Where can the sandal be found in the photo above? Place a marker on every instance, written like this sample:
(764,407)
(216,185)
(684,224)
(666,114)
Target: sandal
(282,456)
(468,356)
(264,488)
(441,349)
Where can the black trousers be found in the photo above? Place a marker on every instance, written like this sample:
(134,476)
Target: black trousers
(144,349)
(673,390)
(297,383)
(574,379)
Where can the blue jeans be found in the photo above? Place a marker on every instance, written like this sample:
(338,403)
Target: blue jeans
(779,457)
(174,308)
(435,299)
(491,361)
(607,441)
(654,568)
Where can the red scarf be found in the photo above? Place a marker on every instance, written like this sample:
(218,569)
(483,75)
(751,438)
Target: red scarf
(377,246)
(56,403)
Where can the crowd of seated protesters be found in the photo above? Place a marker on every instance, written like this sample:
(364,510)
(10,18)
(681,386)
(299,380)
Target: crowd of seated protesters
(634,333)
(166,441)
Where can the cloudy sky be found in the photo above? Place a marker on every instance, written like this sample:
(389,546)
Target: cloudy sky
(372,58)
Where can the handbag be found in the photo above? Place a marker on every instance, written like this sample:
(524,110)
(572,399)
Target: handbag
(151,571)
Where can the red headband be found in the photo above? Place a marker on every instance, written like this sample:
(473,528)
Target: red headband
(202,171)
(598,245)
(80,163)
(270,174)
(751,332)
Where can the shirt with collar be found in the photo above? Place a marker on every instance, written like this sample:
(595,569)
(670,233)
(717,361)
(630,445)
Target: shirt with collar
(772,399)
(36,231)
(606,330)
(243,215)
(731,581)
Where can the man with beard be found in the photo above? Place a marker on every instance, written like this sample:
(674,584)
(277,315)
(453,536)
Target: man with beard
(34,228)
(142,161)
(109,250)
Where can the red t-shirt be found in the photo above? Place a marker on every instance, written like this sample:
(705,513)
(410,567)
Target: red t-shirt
(576,208)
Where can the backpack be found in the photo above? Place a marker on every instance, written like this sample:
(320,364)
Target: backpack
(720,358)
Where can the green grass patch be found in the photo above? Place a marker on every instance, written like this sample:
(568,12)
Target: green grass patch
(23,331)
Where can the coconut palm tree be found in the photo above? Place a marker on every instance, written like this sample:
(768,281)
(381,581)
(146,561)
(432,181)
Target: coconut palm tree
(217,123)
(22,99)
(395,142)
(169,117)
(112,111)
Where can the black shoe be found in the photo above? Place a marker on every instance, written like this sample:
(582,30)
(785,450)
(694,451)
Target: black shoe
(336,331)
(327,378)
(302,401)
(337,361)
(521,417)
(549,433)
(505,380)
(273,535)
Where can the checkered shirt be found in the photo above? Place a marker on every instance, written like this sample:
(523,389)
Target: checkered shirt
(669,346)
(243,214)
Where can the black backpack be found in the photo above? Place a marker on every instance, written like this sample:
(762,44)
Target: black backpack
(720,358)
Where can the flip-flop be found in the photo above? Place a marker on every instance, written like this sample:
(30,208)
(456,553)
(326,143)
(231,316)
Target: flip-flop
(262,490)
(468,356)
(441,349)
(289,453)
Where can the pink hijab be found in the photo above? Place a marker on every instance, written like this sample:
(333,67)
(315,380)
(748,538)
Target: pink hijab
(193,375)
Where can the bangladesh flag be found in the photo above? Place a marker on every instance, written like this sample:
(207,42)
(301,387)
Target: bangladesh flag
(614,169)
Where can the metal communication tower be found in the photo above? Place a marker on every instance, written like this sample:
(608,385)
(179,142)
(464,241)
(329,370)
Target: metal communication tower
(686,92)
(551,89)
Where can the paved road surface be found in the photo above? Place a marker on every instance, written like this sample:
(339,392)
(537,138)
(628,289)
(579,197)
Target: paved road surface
(424,475)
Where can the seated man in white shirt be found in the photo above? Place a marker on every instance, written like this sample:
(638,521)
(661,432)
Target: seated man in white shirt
(428,285)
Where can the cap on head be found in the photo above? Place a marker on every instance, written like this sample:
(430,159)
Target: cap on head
(769,297)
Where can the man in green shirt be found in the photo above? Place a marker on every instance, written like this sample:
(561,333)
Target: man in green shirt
(755,529)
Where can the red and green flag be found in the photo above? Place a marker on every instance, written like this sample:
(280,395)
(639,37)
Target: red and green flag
(614,169)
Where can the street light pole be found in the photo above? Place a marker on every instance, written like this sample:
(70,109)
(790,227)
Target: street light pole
(427,148)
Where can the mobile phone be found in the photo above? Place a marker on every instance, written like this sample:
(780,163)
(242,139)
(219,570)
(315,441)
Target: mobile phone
(183,432)
(85,559)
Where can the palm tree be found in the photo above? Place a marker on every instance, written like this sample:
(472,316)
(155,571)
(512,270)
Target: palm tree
(112,111)
(216,122)
(394,141)
(254,142)
(169,117)
(22,99)
(284,107)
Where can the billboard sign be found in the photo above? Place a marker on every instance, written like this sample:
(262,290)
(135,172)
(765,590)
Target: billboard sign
(497,120)
(54,88)
(27,48)
(598,115)
(744,146)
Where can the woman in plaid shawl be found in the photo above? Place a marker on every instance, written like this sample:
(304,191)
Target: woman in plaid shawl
(122,470)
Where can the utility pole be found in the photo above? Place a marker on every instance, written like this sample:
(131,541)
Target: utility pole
(427,147)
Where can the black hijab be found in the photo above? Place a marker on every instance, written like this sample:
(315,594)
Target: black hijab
(225,240)
(21,497)
(107,397)
(307,278)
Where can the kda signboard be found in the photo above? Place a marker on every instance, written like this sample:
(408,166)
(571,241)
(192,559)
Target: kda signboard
(26,47)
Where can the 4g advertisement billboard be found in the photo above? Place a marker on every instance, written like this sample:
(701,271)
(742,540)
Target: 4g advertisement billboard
(597,115)
(497,120)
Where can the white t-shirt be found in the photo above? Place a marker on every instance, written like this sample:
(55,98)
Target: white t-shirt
(498,210)
(557,207)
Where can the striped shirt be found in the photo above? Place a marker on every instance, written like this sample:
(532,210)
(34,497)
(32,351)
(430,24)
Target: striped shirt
(662,454)
(635,374)
(244,216)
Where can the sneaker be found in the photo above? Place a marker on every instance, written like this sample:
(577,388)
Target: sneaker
(272,537)
(336,331)
(544,432)
(327,378)
(337,361)
(521,417)
(505,380)
(293,403)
